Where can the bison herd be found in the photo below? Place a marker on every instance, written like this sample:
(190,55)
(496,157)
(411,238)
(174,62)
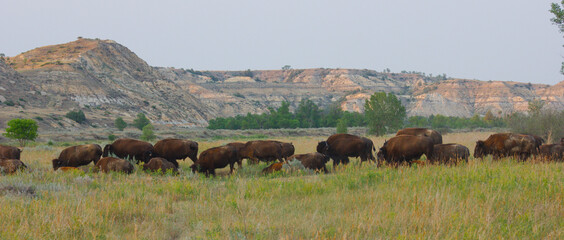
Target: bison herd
(407,146)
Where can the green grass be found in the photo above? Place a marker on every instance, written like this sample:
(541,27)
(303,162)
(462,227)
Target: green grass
(478,200)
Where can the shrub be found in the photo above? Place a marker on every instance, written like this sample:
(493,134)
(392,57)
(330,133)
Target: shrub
(141,121)
(120,124)
(148,133)
(77,116)
(112,137)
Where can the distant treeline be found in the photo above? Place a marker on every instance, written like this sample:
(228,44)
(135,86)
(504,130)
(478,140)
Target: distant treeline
(309,115)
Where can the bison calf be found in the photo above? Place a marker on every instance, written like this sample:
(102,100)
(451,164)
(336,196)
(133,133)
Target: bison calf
(108,164)
(10,166)
(313,161)
(160,164)
(553,152)
(445,153)
(275,167)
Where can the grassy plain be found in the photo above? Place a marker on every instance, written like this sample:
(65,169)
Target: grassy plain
(478,200)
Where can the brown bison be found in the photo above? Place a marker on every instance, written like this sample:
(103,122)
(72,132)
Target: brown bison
(77,156)
(445,153)
(506,144)
(287,149)
(238,146)
(405,148)
(340,147)
(172,149)
(552,151)
(217,157)
(315,161)
(262,150)
(275,167)
(10,166)
(128,148)
(10,152)
(158,163)
(108,164)
(436,136)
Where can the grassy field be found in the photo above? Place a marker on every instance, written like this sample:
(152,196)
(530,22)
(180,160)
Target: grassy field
(478,200)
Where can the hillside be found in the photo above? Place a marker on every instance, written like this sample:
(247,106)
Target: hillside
(107,80)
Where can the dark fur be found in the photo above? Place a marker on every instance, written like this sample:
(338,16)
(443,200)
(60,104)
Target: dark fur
(287,149)
(238,146)
(506,144)
(315,161)
(451,152)
(108,164)
(405,148)
(262,150)
(10,166)
(436,136)
(340,147)
(158,163)
(77,156)
(217,157)
(10,152)
(553,152)
(173,149)
(128,148)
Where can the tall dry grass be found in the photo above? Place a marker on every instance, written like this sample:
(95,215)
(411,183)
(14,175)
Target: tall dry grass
(478,200)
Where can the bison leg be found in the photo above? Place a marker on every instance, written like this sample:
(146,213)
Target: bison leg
(231,165)
(173,161)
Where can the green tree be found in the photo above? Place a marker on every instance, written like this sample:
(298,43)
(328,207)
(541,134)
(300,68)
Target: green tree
(535,106)
(342,126)
(77,116)
(23,130)
(384,113)
(308,114)
(120,123)
(148,133)
(558,20)
(141,121)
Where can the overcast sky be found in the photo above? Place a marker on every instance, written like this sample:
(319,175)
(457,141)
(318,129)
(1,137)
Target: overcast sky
(509,40)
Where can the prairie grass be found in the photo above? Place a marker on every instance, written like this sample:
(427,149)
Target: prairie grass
(476,200)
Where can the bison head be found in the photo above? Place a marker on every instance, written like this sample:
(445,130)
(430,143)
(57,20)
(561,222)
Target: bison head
(382,153)
(480,149)
(107,150)
(57,164)
(323,147)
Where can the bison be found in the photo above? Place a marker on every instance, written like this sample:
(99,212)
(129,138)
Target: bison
(315,161)
(506,144)
(10,152)
(108,164)
(340,147)
(238,146)
(158,163)
(10,166)
(436,136)
(77,156)
(216,157)
(444,153)
(275,167)
(262,150)
(172,149)
(287,149)
(130,149)
(405,148)
(552,151)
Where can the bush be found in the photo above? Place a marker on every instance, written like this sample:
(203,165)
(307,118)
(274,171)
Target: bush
(148,133)
(141,121)
(9,103)
(342,126)
(120,124)
(112,137)
(77,116)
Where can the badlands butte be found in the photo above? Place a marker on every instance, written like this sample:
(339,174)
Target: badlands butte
(107,80)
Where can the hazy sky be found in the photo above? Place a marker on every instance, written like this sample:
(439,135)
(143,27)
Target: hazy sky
(510,40)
